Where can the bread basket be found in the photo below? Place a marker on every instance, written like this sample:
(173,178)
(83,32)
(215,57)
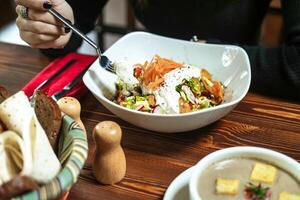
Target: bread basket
(72,154)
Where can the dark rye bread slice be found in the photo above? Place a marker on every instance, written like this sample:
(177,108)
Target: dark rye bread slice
(17,186)
(49,116)
(4,94)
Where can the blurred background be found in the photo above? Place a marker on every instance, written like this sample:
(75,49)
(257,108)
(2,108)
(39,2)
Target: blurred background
(117,19)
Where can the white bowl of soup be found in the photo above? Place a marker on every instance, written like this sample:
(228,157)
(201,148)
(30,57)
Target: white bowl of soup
(245,173)
(226,63)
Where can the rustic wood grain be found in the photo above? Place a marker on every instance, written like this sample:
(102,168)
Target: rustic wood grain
(154,159)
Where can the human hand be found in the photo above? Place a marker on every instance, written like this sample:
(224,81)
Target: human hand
(38,27)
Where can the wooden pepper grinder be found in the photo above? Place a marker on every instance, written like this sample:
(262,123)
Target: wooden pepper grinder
(71,107)
(109,164)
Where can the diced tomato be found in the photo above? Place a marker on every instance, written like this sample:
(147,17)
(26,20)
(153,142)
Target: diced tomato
(137,71)
(120,98)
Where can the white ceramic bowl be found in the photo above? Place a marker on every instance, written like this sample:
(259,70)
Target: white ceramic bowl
(278,159)
(227,63)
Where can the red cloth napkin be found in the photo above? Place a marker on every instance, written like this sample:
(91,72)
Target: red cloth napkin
(82,62)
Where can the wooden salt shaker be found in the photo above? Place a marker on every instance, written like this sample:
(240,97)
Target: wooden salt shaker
(109,164)
(71,107)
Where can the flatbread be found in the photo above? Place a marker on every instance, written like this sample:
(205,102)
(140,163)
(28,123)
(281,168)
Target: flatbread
(11,155)
(41,163)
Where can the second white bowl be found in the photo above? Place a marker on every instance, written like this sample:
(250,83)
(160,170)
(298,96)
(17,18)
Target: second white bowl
(278,159)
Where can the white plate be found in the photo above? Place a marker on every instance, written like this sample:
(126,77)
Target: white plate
(179,188)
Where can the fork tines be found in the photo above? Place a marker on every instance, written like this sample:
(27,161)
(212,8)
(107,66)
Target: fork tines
(107,64)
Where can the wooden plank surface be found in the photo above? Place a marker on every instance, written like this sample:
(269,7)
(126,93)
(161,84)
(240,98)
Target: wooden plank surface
(154,159)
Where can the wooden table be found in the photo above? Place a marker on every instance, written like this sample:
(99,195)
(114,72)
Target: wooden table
(155,159)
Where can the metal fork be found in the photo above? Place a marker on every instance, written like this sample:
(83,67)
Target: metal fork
(103,60)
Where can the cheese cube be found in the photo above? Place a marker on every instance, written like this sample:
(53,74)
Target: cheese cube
(288,196)
(227,186)
(263,173)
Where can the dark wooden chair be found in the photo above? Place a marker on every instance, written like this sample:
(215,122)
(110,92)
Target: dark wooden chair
(103,28)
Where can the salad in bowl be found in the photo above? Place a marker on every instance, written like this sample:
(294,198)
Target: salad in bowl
(170,92)
(166,87)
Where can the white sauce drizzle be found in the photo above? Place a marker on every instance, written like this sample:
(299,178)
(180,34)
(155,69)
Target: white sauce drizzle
(124,71)
(166,96)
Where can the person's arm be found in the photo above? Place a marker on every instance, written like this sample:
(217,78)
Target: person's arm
(85,15)
(276,71)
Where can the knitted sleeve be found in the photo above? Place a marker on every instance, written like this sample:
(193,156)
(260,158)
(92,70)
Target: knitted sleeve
(276,71)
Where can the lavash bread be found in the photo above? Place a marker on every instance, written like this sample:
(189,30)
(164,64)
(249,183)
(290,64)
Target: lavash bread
(40,161)
(11,155)
(49,116)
